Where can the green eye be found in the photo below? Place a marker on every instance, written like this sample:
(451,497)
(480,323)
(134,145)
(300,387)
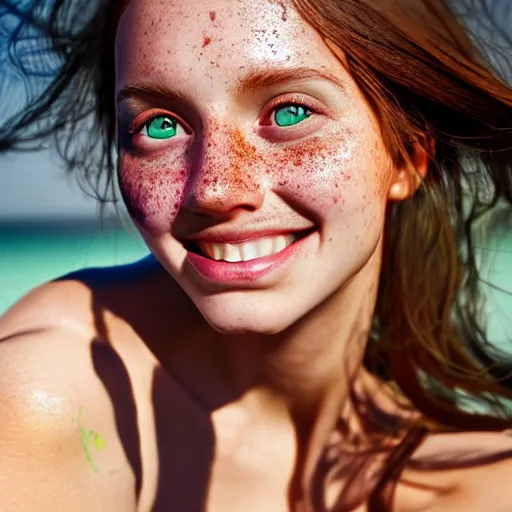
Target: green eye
(161,127)
(291,114)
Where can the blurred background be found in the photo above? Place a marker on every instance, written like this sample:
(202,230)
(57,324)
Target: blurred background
(49,227)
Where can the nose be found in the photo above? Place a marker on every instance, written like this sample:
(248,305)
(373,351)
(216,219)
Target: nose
(225,175)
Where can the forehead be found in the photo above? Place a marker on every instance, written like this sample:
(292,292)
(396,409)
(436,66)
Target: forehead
(215,38)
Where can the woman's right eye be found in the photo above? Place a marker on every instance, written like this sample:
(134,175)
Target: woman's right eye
(162,127)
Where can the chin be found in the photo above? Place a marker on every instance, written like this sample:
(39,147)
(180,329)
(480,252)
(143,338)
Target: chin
(233,315)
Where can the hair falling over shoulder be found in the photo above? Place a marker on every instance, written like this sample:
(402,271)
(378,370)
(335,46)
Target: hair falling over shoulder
(433,76)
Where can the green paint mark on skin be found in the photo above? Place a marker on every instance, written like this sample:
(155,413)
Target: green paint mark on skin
(90,439)
(99,442)
(86,437)
(78,419)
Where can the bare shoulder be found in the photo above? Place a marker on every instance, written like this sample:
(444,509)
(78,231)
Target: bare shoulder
(79,300)
(60,447)
(66,445)
(460,471)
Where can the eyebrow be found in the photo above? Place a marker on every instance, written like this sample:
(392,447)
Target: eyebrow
(155,90)
(252,82)
(257,80)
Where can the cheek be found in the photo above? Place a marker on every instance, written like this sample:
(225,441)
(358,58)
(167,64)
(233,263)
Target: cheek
(339,178)
(324,173)
(152,191)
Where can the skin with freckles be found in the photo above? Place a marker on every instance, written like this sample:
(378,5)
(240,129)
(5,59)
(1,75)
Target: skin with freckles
(263,136)
(231,166)
(222,394)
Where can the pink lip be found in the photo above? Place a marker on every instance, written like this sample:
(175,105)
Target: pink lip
(237,237)
(243,272)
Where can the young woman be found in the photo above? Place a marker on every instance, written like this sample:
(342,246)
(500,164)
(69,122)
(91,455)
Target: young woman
(308,175)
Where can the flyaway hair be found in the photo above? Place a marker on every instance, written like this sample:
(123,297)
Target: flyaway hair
(435,74)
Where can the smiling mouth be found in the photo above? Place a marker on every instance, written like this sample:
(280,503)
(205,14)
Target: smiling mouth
(249,250)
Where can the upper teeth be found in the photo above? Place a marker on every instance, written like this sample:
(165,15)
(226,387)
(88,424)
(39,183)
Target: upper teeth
(246,251)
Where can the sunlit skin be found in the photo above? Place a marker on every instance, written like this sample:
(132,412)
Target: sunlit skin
(231,167)
(236,158)
(218,390)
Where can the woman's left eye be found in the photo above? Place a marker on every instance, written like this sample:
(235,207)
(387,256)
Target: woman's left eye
(291,114)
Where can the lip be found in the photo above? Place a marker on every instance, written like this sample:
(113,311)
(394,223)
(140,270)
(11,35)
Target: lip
(244,272)
(238,237)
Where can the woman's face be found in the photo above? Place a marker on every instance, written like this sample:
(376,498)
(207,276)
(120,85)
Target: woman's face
(249,159)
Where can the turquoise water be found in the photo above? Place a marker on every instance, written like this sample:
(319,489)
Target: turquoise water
(32,253)
(498,272)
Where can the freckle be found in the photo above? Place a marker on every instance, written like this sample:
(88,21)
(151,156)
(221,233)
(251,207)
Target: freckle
(213,15)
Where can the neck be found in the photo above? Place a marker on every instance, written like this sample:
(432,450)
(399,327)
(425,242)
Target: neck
(315,357)
(302,376)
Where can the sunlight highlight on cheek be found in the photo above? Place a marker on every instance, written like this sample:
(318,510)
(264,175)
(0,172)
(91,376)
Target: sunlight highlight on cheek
(152,191)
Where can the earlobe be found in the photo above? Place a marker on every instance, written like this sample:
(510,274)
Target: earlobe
(408,179)
(399,190)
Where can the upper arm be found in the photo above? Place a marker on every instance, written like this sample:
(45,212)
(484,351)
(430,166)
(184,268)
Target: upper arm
(58,450)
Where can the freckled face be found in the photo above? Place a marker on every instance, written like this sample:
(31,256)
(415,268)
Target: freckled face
(204,151)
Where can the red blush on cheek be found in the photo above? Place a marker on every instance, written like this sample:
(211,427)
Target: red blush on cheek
(152,193)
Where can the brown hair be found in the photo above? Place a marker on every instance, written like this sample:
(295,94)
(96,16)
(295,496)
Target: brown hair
(429,81)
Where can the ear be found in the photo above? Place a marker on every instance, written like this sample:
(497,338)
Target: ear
(406,180)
